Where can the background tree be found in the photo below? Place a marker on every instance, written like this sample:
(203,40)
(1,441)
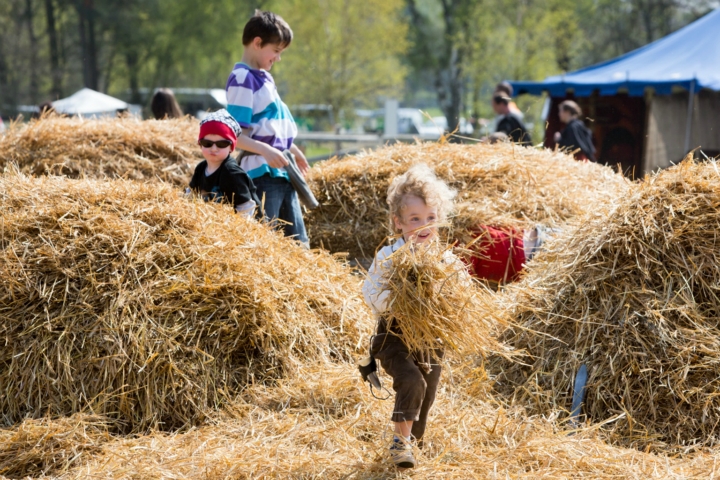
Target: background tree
(443,38)
(614,27)
(54,49)
(345,53)
(469,46)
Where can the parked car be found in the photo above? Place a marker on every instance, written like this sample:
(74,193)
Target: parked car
(411,121)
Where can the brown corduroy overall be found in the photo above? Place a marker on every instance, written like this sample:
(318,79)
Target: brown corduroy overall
(415,383)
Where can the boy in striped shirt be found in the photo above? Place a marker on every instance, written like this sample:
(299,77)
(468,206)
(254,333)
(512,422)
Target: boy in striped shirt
(267,124)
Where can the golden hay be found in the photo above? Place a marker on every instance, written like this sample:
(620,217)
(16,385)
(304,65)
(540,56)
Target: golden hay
(432,298)
(104,148)
(128,301)
(324,424)
(43,447)
(498,184)
(632,294)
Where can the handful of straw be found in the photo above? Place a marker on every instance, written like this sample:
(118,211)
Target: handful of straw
(436,304)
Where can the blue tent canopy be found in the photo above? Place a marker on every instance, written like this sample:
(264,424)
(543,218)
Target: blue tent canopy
(691,54)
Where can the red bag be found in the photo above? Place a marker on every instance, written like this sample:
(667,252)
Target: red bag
(498,254)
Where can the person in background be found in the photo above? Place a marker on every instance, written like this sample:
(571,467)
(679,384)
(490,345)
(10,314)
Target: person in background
(575,135)
(509,123)
(268,126)
(507,89)
(499,253)
(219,178)
(164,105)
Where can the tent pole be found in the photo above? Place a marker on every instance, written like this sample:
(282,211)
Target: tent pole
(688,125)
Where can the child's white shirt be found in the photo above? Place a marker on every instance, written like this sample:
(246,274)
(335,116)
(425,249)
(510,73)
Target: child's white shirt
(374,288)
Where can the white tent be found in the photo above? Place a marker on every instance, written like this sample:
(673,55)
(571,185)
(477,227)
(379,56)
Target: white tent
(89,103)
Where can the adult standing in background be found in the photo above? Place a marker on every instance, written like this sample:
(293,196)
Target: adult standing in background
(575,135)
(509,123)
(507,89)
(164,105)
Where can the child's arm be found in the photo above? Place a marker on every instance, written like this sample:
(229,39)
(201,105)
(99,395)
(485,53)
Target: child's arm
(237,186)
(273,156)
(374,291)
(302,162)
(195,180)
(246,209)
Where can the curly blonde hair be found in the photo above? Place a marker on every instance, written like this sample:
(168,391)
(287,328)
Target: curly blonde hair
(420,181)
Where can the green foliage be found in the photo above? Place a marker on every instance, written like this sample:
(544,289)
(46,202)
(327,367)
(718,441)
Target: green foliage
(614,27)
(137,43)
(195,44)
(528,40)
(523,40)
(345,53)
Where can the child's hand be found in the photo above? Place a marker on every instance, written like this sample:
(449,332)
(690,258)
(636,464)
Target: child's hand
(300,160)
(274,157)
(302,164)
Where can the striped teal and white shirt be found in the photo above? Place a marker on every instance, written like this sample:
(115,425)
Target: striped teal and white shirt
(255,103)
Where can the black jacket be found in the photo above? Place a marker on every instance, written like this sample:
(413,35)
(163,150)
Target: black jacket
(228,184)
(577,135)
(514,128)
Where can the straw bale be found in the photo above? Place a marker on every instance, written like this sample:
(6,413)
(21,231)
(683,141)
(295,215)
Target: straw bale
(632,294)
(435,303)
(324,424)
(109,147)
(49,447)
(126,300)
(498,184)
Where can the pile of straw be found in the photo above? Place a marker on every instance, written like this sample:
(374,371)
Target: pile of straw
(126,300)
(110,147)
(435,303)
(633,295)
(498,184)
(324,424)
(49,447)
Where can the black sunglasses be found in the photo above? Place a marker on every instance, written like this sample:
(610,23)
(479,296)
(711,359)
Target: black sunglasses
(205,143)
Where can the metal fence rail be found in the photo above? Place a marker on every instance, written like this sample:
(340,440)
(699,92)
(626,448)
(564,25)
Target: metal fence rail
(321,137)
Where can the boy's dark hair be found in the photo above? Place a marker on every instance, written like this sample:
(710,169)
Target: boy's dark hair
(505,88)
(269,27)
(500,97)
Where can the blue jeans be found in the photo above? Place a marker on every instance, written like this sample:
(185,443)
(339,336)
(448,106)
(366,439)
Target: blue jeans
(281,202)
